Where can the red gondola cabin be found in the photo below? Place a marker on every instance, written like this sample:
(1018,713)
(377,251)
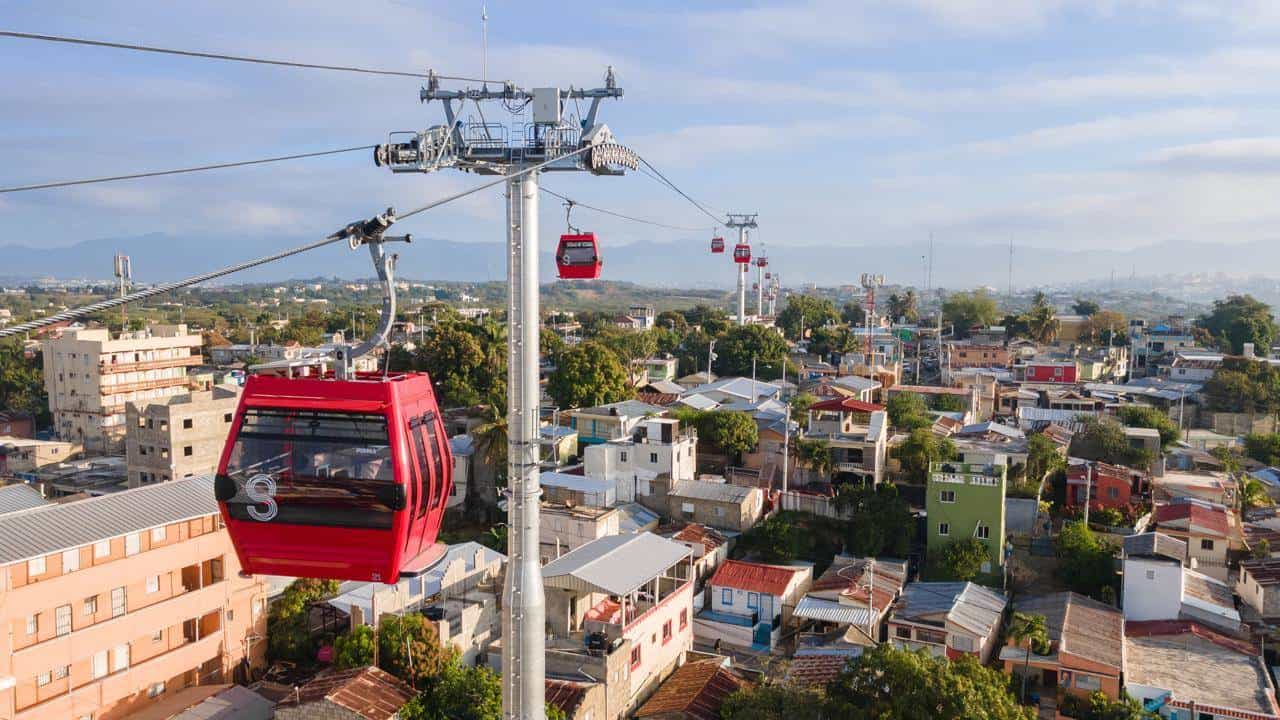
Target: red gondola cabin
(717,245)
(762,261)
(339,479)
(742,253)
(578,257)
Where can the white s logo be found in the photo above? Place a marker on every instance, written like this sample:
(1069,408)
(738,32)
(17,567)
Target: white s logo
(261,490)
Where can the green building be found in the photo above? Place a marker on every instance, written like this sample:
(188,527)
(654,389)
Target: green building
(966,500)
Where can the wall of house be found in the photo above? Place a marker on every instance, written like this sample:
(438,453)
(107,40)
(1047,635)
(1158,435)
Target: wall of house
(1152,589)
(974,504)
(159,445)
(1212,560)
(1050,373)
(659,657)
(1264,599)
(720,515)
(737,601)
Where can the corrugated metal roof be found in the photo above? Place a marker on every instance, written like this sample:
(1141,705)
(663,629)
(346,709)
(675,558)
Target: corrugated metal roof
(812,608)
(617,564)
(634,517)
(234,703)
(20,497)
(703,490)
(973,607)
(52,528)
(1153,544)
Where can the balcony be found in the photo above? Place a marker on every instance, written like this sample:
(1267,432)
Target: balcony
(108,368)
(111,389)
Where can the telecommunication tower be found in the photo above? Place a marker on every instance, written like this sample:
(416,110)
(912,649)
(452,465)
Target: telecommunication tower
(559,143)
(870,283)
(124,274)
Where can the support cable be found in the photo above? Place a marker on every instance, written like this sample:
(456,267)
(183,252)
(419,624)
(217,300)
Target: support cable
(338,236)
(200,168)
(654,223)
(663,178)
(232,58)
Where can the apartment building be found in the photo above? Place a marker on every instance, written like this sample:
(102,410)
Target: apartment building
(114,602)
(967,501)
(91,377)
(178,436)
(655,447)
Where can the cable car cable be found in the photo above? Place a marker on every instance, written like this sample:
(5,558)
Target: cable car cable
(622,216)
(338,236)
(700,206)
(200,168)
(232,58)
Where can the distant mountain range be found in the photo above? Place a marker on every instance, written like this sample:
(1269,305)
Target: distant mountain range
(159,257)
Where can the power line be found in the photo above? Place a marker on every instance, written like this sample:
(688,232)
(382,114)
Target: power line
(201,168)
(233,58)
(624,217)
(338,236)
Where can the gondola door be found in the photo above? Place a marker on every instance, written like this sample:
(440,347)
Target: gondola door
(424,483)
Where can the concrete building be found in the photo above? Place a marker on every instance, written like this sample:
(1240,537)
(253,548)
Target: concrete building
(949,619)
(845,609)
(178,436)
(23,458)
(619,612)
(112,602)
(614,421)
(91,377)
(1156,585)
(718,505)
(964,501)
(654,447)
(858,433)
(1259,587)
(748,603)
(709,547)
(1205,527)
(568,526)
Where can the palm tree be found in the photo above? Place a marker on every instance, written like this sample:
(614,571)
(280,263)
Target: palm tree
(1041,323)
(491,443)
(817,455)
(1031,629)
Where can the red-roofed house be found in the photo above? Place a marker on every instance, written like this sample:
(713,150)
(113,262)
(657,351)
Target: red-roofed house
(710,547)
(1113,485)
(694,692)
(577,700)
(366,693)
(746,600)
(1206,529)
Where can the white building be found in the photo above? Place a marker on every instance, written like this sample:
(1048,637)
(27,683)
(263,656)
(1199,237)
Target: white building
(1156,586)
(656,447)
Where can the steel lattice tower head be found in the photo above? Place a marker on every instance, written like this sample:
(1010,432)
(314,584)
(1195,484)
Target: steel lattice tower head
(870,283)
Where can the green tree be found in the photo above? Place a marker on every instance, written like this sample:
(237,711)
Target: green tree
(744,343)
(891,684)
(1143,416)
(409,648)
(491,442)
(672,320)
(946,402)
(457,693)
(1030,629)
(1240,319)
(288,632)
(807,312)
(815,454)
(1040,321)
(1104,439)
(550,344)
(1085,307)
(879,520)
(354,649)
(923,446)
(1099,707)
(852,313)
(22,386)
(908,411)
(588,375)
(828,339)
(1105,326)
(1263,447)
(962,559)
(454,358)
(776,540)
(800,404)
(629,345)
(773,701)
(1042,457)
(905,306)
(731,431)
(1085,563)
(965,310)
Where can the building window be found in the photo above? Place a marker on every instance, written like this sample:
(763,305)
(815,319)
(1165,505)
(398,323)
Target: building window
(726,597)
(753,600)
(142,449)
(91,605)
(42,679)
(947,496)
(118,602)
(132,544)
(1088,682)
(153,584)
(35,566)
(226,417)
(99,664)
(1151,574)
(157,636)
(983,532)
(186,451)
(719,511)
(666,632)
(963,643)
(653,458)
(101,549)
(186,423)
(1113,493)
(33,623)
(62,620)
(70,561)
(622,456)
(635,657)
(902,633)
(61,672)
(157,534)
(1206,544)
(944,529)
(684,619)
(120,658)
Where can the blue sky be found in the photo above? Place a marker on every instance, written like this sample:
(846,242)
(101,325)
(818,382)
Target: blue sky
(1080,123)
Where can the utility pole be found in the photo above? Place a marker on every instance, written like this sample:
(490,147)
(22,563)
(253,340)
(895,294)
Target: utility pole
(761,264)
(870,283)
(743,222)
(550,143)
(1011,274)
(711,355)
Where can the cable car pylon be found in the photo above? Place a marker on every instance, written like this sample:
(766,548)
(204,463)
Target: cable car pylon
(742,257)
(581,145)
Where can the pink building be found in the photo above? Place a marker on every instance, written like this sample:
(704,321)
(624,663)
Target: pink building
(113,602)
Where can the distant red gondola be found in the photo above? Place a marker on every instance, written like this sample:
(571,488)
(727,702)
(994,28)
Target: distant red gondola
(717,245)
(742,253)
(578,257)
(762,261)
(768,276)
(339,479)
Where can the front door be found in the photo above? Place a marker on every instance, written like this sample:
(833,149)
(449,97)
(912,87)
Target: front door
(763,634)
(1049,679)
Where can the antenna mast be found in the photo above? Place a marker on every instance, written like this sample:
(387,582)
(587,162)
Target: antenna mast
(124,273)
(869,284)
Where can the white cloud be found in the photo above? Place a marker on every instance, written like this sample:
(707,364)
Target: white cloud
(1229,155)
(691,145)
(1181,121)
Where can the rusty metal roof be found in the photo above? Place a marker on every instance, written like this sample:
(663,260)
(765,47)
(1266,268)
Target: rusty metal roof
(696,690)
(369,692)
